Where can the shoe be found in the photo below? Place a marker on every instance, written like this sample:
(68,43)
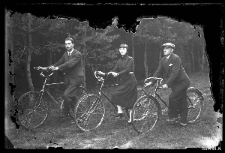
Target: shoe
(183,124)
(171,119)
(190,122)
(72,122)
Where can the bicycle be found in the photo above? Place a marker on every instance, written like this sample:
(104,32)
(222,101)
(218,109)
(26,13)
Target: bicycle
(90,109)
(33,106)
(147,109)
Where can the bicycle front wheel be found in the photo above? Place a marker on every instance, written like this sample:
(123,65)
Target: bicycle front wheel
(195,104)
(146,113)
(32,110)
(89,112)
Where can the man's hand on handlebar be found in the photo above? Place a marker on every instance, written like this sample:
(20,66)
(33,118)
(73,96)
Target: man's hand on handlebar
(164,86)
(53,68)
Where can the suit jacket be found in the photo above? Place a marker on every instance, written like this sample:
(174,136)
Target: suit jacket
(171,70)
(71,65)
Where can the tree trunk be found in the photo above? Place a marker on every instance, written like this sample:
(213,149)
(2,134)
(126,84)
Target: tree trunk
(193,60)
(145,61)
(133,49)
(85,52)
(50,58)
(29,52)
(8,96)
(203,57)
(160,55)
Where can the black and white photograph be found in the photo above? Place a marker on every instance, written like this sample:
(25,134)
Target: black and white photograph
(114,76)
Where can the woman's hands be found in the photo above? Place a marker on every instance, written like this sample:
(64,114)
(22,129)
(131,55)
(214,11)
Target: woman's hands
(113,73)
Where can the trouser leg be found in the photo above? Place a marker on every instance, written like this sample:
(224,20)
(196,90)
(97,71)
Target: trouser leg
(66,106)
(178,101)
(70,95)
(183,108)
(173,107)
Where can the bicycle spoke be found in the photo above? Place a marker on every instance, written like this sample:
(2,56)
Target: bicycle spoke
(33,112)
(194,105)
(145,114)
(90,116)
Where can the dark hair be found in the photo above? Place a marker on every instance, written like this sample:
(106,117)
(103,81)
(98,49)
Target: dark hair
(124,45)
(71,39)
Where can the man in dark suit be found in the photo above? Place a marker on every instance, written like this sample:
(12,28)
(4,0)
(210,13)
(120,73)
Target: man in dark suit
(174,76)
(71,64)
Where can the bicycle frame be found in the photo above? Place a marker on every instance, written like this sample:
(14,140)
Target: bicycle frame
(157,96)
(43,90)
(100,92)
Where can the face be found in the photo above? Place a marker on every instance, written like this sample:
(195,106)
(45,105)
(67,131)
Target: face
(167,51)
(123,50)
(69,45)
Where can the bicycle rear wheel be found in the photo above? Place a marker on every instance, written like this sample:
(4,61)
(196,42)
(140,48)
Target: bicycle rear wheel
(32,110)
(146,113)
(89,112)
(195,104)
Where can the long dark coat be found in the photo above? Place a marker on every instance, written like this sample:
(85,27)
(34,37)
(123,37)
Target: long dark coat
(125,94)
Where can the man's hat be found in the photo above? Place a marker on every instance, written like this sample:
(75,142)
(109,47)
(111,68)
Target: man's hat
(124,45)
(168,45)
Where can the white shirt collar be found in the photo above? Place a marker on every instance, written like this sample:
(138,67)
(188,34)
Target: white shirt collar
(168,56)
(70,51)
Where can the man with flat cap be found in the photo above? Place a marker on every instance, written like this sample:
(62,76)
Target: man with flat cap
(174,76)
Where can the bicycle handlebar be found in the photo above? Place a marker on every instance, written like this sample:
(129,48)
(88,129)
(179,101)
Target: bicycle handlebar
(158,80)
(101,75)
(42,69)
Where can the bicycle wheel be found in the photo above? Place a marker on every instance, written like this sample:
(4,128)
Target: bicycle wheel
(195,104)
(89,112)
(146,113)
(32,110)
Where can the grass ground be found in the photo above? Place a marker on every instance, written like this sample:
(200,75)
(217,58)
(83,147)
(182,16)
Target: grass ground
(113,133)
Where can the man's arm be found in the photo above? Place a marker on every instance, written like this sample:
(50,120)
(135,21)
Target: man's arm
(59,61)
(71,62)
(175,71)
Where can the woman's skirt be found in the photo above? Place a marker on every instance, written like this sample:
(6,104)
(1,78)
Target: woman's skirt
(125,94)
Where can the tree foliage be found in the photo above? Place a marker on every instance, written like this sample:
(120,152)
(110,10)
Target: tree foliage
(98,45)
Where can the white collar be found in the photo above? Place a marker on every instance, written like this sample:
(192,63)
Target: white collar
(168,56)
(70,51)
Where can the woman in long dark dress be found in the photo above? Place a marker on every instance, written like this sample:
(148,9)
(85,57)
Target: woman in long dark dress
(125,94)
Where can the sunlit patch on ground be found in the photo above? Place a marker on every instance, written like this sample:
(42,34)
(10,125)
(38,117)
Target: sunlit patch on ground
(93,143)
(208,142)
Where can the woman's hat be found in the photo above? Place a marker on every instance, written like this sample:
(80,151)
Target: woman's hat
(123,46)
